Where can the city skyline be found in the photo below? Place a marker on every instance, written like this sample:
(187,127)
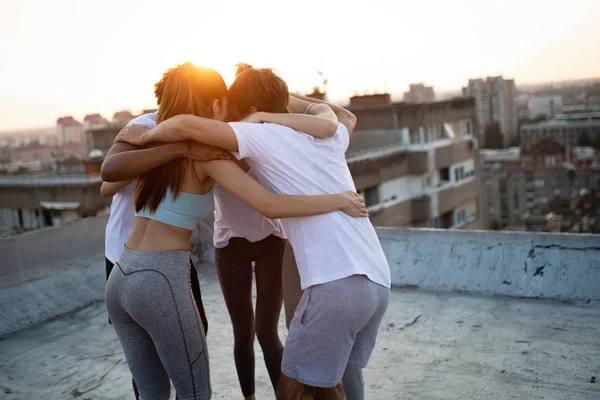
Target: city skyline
(71,58)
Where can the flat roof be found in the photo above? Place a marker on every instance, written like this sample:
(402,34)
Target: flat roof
(430,346)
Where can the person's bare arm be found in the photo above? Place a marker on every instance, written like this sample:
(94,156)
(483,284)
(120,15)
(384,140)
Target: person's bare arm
(109,189)
(271,205)
(344,116)
(320,121)
(182,127)
(125,161)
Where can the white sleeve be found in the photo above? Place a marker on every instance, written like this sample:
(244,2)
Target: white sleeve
(342,133)
(148,120)
(252,140)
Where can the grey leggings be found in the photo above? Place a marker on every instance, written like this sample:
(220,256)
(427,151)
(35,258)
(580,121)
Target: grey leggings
(152,309)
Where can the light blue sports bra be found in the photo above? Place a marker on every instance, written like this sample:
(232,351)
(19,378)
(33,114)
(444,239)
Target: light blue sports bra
(182,212)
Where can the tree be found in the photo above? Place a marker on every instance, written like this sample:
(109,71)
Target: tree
(584,140)
(597,142)
(495,225)
(493,137)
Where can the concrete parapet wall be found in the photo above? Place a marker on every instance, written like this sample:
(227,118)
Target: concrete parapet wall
(50,272)
(53,271)
(38,254)
(521,264)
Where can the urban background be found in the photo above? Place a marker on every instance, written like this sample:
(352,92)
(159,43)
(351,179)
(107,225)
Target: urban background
(491,155)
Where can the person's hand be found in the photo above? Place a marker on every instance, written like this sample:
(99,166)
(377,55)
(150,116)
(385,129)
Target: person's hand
(256,117)
(204,152)
(132,134)
(355,204)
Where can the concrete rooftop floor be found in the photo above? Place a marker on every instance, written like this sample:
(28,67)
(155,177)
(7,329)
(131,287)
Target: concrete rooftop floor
(431,346)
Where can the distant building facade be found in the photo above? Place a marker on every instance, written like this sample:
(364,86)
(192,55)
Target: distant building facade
(545,106)
(376,99)
(100,134)
(69,130)
(122,117)
(496,100)
(94,121)
(527,181)
(419,93)
(418,164)
(28,203)
(565,129)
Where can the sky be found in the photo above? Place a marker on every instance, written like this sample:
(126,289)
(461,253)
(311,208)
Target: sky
(75,57)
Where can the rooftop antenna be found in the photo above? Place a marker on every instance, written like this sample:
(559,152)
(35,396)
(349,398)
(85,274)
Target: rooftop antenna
(325,81)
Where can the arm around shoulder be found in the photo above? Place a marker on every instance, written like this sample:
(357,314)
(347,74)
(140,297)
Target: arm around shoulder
(271,205)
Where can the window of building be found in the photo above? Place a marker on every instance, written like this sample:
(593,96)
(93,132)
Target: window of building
(460,216)
(415,138)
(468,128)
(421,224)
(539,183)
(432,133)
(371,196)
(437,222)
(516,199)
(427,181)
(445,174)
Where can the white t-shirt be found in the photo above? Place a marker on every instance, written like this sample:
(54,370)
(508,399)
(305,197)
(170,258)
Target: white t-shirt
(327,247)
(233,217)
(121,217)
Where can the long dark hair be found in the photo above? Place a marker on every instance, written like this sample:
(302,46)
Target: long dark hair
(184,89)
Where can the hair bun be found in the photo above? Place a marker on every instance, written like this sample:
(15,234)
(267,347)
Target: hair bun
(241,67)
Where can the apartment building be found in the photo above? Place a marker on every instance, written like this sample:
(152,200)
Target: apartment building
(545,106)
(100,134)
(496,102)
(521,181)
(418,164)
(565,129)
(69,131)
(419,93)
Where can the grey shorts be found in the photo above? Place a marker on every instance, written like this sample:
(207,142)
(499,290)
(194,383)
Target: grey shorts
(335,324)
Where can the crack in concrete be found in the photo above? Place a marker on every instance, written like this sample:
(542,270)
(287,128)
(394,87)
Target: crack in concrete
(559,247)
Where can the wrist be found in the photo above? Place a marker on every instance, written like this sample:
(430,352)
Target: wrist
(179,149)
(342,201)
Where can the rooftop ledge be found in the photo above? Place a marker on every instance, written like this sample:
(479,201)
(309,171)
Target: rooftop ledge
(498,315)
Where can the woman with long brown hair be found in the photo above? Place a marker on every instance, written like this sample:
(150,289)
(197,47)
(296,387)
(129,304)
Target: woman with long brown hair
(148,294)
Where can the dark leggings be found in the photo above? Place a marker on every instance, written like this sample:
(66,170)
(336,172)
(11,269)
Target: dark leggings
(234,266)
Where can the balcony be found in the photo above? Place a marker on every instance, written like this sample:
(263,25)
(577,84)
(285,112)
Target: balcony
(421,208)
(501,314)
(457,195)
(453,153)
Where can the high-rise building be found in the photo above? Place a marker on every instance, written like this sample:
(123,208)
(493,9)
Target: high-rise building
(496,100)
(69,130)
(418,164)
(419,93)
